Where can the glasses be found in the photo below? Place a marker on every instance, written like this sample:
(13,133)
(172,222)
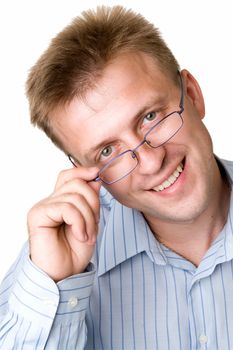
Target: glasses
(124,163)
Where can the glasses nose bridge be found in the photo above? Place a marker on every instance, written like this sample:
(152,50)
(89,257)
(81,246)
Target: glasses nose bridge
(140,144)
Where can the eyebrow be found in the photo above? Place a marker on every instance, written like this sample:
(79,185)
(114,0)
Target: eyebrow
(151,103)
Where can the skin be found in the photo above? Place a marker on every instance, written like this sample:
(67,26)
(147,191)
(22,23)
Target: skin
(186,217)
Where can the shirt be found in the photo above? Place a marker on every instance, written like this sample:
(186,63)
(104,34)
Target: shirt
(135,294)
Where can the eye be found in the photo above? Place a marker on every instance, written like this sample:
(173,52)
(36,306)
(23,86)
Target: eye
(107,151)
(150,117)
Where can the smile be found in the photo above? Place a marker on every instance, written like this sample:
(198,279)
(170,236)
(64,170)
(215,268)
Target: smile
(171,180)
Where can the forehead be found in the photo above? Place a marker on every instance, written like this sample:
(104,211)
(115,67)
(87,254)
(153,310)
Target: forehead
(127,84)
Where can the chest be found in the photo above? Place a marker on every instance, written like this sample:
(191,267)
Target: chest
(139,305)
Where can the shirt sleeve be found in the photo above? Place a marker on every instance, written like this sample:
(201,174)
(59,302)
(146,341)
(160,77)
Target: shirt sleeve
(36,313)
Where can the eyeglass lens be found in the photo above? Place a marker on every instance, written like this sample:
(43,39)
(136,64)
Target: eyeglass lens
(126,162)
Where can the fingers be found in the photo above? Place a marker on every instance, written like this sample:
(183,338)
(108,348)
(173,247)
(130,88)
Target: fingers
(78,180)
(83,190)
(63,227)
(75,211)
(74,203)
(86,174)
(71,210)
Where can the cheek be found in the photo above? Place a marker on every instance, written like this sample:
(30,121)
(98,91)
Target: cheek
(203,141)
(121,191)
(195,134)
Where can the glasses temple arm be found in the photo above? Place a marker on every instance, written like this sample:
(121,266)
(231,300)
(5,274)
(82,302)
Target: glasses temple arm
(181,105)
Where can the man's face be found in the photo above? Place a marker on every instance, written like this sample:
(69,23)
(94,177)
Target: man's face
(114,114)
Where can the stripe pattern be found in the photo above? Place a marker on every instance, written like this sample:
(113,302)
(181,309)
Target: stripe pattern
(136,294)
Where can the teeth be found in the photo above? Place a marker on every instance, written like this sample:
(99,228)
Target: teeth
(180,168)
(166,184)
(172,178)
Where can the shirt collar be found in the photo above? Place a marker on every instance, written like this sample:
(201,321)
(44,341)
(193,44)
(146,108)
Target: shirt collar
(228,228)
(126,234)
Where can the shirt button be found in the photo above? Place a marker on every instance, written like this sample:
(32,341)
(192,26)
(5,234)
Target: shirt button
(203,339)
(73,301)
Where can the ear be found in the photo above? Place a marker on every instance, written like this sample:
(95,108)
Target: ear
(193,92)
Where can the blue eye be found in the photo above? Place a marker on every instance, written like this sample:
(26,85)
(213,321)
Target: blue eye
(150,117)
(107,151)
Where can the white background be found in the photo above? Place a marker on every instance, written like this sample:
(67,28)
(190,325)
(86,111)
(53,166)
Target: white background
(200,35)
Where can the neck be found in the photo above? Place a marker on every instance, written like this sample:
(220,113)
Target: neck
(192,239)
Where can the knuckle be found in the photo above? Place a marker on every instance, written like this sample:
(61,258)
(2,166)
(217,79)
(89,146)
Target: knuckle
(69,206)
(62,174)
(77,184)
(76,198)
(34,210)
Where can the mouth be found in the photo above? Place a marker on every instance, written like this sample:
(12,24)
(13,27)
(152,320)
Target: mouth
(170,180)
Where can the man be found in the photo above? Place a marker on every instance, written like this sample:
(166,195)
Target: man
(133,249)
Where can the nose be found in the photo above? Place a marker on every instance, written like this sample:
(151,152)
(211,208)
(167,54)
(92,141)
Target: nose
(150,159)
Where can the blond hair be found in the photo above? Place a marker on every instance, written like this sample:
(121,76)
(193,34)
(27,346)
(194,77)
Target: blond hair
(77,56)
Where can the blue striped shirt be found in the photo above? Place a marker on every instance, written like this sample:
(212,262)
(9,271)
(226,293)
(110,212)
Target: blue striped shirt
(135,294)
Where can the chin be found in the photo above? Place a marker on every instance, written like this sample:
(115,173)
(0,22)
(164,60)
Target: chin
(185,212)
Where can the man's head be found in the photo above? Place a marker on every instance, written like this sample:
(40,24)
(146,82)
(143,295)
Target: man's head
(76,58)
(99,102)
(132,95)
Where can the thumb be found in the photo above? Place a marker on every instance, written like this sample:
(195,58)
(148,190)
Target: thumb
(95,185)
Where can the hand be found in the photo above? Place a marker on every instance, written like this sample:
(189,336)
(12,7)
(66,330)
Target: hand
(63,227)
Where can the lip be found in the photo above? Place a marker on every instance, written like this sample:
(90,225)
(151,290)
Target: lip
(174,187)
(167,175)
